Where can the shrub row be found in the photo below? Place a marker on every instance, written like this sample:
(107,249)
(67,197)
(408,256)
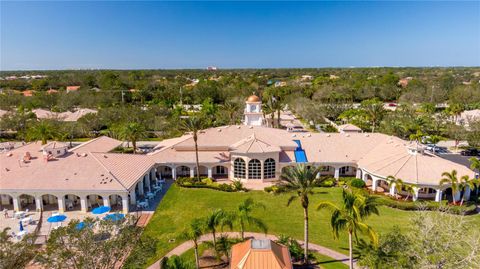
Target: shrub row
(208,183)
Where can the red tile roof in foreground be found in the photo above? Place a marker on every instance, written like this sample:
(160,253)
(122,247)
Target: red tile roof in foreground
(260,254)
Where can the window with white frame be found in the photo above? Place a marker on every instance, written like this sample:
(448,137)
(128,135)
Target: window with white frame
(254,169)
(239,168)
(269,168)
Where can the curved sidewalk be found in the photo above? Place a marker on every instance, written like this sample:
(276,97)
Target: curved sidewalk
(185,246)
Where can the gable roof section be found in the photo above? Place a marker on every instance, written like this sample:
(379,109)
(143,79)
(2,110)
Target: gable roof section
(252,144)
(245,256)
(99,144)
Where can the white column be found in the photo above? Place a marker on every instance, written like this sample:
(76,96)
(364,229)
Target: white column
(147,178)
(359,174)
(318,175)
(192,172)
(140,187)
(133,197)
(16,203)
(261,169)
(438,195)
(392,189)
(174,173)
(106,201)
(39,203)
(415,193)
(125,203)
(466,194)
(337,173)
(83,204)
(374,184)
(61,204)
(210,174)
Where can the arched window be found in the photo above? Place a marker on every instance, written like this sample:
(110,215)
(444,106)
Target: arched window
(239,168)
(269,168)
(254,169)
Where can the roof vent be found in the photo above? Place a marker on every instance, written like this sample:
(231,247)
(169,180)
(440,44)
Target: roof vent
(9,154)
(328,135)
(309,135)
(219,130)
(347,135)
(294,135)
(250,127)
(367,135)
(105,156)
(238,127)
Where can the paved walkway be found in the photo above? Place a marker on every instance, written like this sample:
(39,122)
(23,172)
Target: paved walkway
(208,237)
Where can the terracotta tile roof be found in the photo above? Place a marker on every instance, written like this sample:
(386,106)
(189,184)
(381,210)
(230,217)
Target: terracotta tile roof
(349,127)
(78,170)
(263,253)
(72,88)
(253,145)
(99,144)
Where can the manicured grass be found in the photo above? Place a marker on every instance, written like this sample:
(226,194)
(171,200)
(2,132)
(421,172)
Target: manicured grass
(180,205)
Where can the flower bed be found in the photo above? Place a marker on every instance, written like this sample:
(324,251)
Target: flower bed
(208,183)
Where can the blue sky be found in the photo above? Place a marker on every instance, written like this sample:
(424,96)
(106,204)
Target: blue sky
(135,35)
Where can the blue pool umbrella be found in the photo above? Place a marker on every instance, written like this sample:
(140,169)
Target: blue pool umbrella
(80,225)
(101,209)
(21,227)
(57,218)
(114,217)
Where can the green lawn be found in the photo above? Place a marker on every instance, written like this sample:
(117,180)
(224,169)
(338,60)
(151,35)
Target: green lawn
(180,205)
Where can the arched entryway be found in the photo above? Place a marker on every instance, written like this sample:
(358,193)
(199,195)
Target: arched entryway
(72,202)
(183,171)
(6,201)
(327,170)
(347,171)
(49,202)
(382,186)
(164,172)
(115,202)
(427,193)
(26,201)
(203,170)
(219,172)
(94,201)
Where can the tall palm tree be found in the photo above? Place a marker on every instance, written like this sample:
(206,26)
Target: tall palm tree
(475,164)
(231,109)
(300,180)
(42,130)
(217,218)
(465,182)
(242,216)
(409,189)
(375,111)
(193,233)
(351,216)
(133,131)
(194,124)
(452,180)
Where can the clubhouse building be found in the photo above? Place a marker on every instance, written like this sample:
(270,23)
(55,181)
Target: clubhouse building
(88,175)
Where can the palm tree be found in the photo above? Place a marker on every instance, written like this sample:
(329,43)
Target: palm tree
(452,180)
(375,111)
(214,219)
(300,180)
(409,189)
(133,132)
(42,130)
(176,262)
(231,109)
(194,124)
(397,181)
(465,182)
(350,217)
(193,233)
(243,216)
(475,164)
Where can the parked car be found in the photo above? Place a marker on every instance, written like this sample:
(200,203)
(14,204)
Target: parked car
(469,152)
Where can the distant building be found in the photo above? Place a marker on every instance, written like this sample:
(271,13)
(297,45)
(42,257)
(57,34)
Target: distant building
(212,68)
(280,84)
(72,88)
(52,91)
(404,82)
(28,93)
(307,77)
(349,128)
(260,253)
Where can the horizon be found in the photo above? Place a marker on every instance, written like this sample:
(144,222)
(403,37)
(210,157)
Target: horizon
(253,35)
